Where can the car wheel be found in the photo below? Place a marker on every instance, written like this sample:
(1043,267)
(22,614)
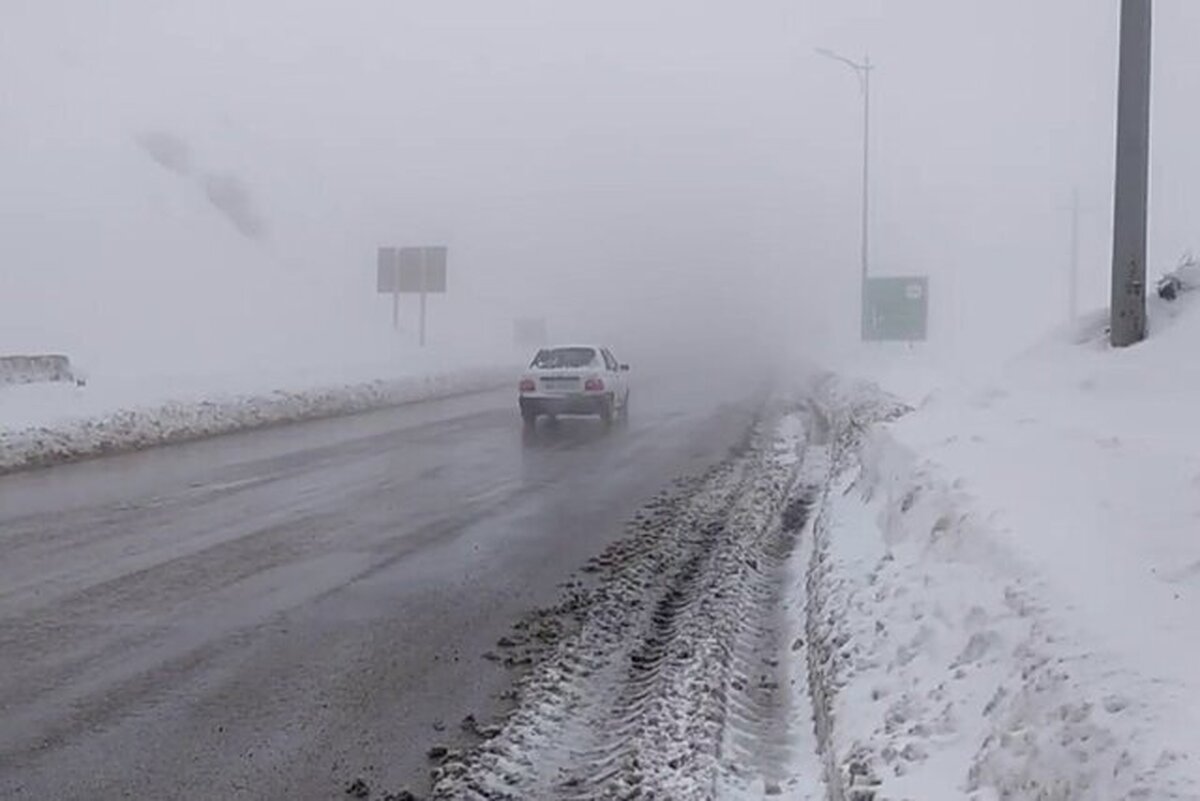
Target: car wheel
(625,410)
(529,418)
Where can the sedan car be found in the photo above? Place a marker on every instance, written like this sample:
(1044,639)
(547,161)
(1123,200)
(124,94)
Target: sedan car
(575,380)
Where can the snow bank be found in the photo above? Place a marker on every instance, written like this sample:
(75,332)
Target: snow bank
(958,675)
(41,425)
(1008,589)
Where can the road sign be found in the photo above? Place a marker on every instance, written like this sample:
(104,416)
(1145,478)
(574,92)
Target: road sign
(387,262)
(896,309)
(530,332)
(411,271)
(422,270)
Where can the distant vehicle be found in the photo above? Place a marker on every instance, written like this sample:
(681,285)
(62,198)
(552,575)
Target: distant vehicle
(575,380)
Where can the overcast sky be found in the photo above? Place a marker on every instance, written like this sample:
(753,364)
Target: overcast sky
(640,170)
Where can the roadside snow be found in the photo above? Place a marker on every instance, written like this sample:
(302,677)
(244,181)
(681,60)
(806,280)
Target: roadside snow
(44,424)
(1012,577)
(662,674)
(957,676)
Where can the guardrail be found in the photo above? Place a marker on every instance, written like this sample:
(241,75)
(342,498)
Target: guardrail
(35,369)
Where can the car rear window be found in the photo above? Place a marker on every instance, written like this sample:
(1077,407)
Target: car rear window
(564,358)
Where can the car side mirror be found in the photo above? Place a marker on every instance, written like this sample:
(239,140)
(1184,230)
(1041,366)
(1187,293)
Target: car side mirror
(624,368)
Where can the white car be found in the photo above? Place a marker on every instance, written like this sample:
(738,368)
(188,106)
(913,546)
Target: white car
(575,380)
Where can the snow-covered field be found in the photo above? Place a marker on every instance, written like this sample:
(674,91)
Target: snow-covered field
(48,423)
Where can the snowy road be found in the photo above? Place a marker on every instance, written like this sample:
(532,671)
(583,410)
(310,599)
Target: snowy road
(280,613)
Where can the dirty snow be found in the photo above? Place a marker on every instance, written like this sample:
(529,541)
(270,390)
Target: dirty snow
(662,674)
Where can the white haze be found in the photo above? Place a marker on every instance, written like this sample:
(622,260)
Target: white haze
(206,182)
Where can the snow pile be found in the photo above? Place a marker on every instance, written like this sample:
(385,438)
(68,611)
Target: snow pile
(41,425)
(954,677)
(1006,580)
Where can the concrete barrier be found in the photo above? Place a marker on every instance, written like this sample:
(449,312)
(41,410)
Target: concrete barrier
(35,369)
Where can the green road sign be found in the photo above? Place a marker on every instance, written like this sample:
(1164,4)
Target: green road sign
(895,309)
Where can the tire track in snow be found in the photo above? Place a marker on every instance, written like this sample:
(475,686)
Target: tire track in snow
(663,680)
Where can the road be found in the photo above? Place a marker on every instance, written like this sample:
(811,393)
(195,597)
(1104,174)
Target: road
(278,613)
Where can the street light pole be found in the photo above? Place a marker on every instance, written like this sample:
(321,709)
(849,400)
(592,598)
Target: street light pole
(1073,289)
(866,170)
(863,72)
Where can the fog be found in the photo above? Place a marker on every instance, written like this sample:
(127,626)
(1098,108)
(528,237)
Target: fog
(206,183)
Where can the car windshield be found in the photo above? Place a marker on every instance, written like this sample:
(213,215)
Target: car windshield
(561,358)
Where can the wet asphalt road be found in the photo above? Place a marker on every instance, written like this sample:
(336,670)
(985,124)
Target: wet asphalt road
(275,614)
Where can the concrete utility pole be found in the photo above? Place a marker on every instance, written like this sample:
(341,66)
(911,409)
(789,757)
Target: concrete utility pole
(1128,323)
(863,71)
